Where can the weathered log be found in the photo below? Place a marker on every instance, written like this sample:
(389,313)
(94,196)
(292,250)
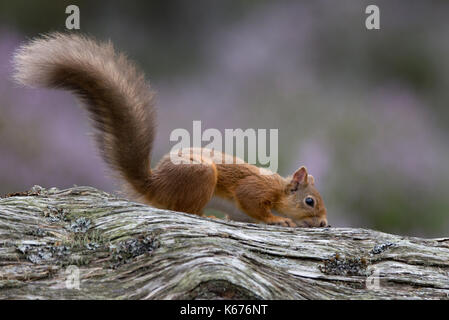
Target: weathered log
(125,250)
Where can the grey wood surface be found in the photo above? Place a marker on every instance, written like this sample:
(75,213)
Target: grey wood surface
(117,249)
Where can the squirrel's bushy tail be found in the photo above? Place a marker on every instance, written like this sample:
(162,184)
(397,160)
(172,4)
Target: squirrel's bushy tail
(114,92)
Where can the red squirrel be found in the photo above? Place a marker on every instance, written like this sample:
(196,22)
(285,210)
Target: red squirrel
(120,104)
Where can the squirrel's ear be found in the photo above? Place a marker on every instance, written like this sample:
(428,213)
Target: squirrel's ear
(311,179)
(300,176)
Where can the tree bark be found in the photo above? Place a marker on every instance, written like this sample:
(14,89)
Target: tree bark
(124,250)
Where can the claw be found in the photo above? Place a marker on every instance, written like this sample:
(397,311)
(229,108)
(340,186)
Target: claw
(284,222)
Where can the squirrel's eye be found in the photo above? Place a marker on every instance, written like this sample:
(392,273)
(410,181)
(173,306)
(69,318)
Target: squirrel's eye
(310,202)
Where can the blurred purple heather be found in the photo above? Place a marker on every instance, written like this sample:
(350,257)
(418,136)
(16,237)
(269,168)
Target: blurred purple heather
(43,135)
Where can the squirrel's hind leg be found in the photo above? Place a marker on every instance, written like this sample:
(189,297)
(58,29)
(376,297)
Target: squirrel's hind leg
(182,187)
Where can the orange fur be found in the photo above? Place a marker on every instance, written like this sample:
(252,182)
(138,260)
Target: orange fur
(120,103)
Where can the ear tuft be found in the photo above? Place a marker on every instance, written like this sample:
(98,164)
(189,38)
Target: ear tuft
(300,176)
(311,179)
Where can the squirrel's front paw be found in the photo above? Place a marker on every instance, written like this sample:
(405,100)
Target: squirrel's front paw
(284,222)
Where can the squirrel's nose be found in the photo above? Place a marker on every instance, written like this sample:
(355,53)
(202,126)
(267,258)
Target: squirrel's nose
(323,223)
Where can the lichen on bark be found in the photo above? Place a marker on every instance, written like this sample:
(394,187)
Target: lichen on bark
(126,250)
